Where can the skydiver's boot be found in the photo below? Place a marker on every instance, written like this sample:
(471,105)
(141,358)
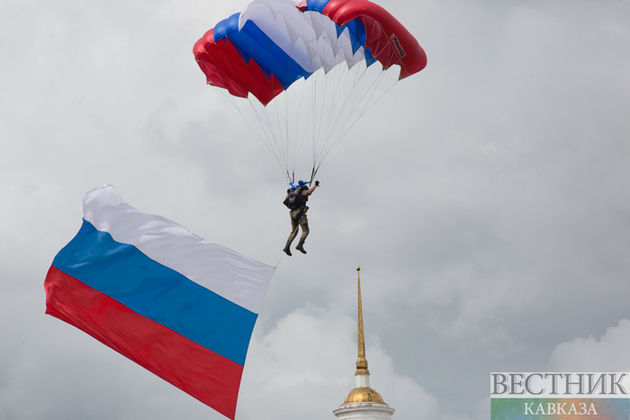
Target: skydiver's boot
(300,248)
(286,249)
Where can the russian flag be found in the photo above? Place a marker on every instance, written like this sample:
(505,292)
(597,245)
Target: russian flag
(180,306)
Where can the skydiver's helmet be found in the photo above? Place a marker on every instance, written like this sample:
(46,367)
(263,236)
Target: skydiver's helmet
(299,184)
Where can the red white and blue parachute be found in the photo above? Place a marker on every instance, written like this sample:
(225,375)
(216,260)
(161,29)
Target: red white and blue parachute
(327,48)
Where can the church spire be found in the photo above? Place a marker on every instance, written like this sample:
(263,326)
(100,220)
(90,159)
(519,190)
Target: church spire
(363,402)
(362,364)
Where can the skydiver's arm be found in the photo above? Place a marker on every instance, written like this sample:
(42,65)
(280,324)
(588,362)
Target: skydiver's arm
(313,188)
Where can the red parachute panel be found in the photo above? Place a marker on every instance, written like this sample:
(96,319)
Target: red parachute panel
(388,40)
(224,67)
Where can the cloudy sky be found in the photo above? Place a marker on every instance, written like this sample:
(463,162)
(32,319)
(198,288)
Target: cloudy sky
(486,200)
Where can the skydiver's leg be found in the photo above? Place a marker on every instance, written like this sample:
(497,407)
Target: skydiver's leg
(305,232)
(292,235)
(304,226)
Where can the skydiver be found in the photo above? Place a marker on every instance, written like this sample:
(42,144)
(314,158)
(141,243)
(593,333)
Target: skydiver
(296,199)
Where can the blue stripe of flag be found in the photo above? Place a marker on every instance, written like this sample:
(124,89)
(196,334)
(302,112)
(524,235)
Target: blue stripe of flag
(157,292)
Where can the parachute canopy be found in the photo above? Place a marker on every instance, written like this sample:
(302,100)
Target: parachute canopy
(272,44)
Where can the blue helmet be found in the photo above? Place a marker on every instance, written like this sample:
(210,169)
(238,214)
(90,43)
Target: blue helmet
(298,185)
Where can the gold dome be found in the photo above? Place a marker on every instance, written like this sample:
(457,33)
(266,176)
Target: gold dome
(363,394)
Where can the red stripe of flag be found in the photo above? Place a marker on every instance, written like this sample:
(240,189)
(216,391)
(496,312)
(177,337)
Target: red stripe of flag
(196,370)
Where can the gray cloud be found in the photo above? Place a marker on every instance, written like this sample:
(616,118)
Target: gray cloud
(485,199)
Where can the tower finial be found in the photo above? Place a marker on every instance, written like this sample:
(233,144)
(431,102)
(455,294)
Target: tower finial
(362,364)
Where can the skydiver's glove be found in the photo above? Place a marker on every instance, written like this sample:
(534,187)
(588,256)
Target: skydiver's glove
(317,183)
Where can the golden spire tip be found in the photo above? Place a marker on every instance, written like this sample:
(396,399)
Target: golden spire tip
(362,364)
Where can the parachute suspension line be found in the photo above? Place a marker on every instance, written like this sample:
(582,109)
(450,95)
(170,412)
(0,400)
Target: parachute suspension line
(317,116)
(305,95)
(316,125)
(329,109)
(294,137)
(317,119)
(340,84)
(283,141)
(322,102)
(291,122)
(278,121)
(337,101)
(343,97)
(313,173)
(358,78)
(297,136)
(367,104)
(291,141)
(319,105)
(283,119)
(346,120)
(264,125)
(262,138)
(267,126)
(344,100)
(297,144)
(366,107)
